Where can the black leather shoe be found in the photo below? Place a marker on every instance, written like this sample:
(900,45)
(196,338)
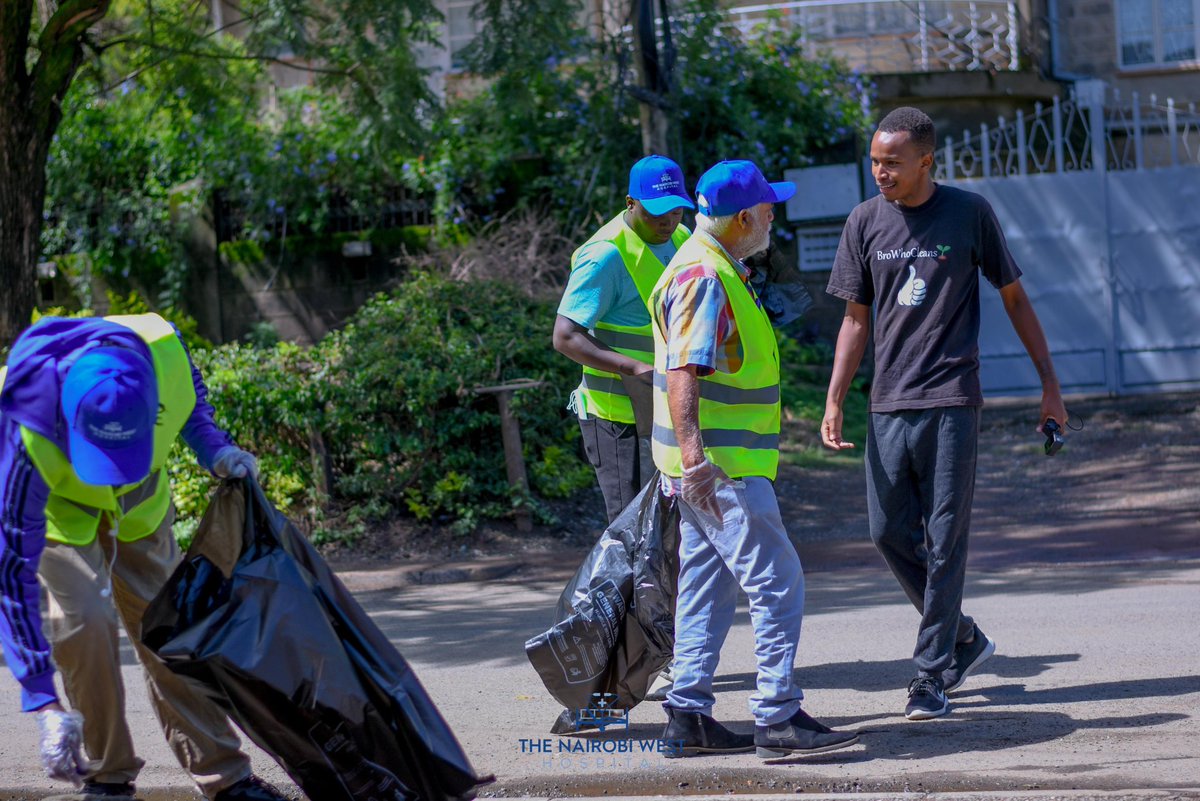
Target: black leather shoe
(250,788)
(108,789)
(692,733)
(799,734)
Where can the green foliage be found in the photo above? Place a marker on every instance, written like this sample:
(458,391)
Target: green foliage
(768,97)
(176,111)
(557,126)
(391,396)
(400,414)
(804,381)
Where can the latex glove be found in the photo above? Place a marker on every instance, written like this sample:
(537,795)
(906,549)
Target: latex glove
(699,487)
(233,462)
(60,736)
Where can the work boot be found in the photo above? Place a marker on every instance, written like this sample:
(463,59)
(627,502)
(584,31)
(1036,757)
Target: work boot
(250,788)
(108,790)
(799,734)
(692,733)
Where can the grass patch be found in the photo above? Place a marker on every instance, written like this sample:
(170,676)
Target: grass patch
(803,411)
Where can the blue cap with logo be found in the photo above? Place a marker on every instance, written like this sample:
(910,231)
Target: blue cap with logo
(657,183)
(110,403)
(730,186)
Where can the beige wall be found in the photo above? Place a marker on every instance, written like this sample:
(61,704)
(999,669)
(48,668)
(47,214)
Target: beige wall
(1087,48)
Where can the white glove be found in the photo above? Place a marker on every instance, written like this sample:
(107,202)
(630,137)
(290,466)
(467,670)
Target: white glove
(233,462)
(698,487)
(60,743)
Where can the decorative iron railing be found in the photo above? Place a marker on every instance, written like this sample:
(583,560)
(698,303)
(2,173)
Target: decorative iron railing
(876,36)
(1135,134)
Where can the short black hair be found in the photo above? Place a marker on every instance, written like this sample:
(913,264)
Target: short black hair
(913,121)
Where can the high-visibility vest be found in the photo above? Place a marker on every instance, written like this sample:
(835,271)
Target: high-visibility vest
(739,412)
(602,393)
(74,509)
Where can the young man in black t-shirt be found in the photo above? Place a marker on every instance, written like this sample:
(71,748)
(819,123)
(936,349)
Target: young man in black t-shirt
(915,252)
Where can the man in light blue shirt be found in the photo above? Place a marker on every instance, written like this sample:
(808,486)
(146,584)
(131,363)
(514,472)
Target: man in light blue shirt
(603,324)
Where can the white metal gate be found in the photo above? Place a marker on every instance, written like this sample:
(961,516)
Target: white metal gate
(1107,230)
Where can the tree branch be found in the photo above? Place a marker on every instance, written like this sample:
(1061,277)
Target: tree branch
(60,51)
(226,56)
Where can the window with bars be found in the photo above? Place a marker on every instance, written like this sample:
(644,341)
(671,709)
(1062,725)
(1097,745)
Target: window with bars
(1156,33)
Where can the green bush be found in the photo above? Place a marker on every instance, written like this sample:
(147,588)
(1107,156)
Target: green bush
(390,401)
(401,416)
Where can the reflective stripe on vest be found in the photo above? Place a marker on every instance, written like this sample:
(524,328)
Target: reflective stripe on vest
(603,394)
(74,509)
(739,412)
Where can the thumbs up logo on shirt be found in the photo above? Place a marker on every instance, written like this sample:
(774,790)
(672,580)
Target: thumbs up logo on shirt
(913,291)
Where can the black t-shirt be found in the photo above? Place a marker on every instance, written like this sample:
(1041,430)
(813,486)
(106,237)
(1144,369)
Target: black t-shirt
(920,267)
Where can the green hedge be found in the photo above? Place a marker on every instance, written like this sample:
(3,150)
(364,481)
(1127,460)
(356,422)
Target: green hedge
(387,402)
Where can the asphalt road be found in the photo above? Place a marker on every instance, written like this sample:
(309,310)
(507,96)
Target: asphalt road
(1095,688)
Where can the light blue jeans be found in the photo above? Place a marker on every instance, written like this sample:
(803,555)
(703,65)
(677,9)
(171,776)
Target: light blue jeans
(750,549)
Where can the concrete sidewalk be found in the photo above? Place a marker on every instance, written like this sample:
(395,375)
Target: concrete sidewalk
(1094,693)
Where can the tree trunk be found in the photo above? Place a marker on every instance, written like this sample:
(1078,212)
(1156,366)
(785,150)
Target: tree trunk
(652,79)
(31,98)
(22,195)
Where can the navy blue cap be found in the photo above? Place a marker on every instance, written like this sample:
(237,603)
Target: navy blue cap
(110,403)
(730,186)
(657,183)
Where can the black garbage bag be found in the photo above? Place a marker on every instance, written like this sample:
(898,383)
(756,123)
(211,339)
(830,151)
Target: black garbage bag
(255,619)
(616,616)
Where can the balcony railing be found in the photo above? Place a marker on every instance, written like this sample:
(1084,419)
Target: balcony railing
(876,36)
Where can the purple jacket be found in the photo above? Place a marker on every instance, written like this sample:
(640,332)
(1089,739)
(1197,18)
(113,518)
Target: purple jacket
(37,364)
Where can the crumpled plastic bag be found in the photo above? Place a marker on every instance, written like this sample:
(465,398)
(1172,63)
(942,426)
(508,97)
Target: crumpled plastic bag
(256,620)
(615,628)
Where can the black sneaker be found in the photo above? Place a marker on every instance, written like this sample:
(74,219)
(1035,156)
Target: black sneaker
(566,723)
(926,699)
(250,788)
(799,734)
(108,789)
(691,733)
(968,656)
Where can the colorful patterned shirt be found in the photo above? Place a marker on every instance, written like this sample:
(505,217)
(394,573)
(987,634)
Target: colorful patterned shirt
(697,317)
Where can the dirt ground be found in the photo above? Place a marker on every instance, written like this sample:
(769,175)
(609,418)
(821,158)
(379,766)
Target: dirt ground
(1126,486)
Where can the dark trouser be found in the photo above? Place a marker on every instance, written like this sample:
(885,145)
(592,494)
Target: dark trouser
(623,462)
(920,483)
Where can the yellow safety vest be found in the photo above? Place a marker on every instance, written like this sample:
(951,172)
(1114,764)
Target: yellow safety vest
(74,509)
(739,412)
(602,393)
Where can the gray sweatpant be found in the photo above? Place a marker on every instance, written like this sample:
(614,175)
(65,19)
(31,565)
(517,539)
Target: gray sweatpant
(920,483)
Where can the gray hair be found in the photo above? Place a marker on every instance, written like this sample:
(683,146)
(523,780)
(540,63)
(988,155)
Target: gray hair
(714,226)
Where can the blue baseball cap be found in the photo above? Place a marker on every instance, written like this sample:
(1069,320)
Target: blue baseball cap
(730,186)
(657,183)
(110,402)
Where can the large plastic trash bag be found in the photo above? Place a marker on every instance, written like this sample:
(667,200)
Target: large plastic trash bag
(615,626)
(257,621)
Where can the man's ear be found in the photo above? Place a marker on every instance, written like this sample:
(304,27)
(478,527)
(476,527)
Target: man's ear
(629,201)
(743,218)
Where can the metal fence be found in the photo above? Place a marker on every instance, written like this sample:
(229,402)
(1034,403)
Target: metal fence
(1137,133)
(1097,197)
(899,35)
(395,207)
